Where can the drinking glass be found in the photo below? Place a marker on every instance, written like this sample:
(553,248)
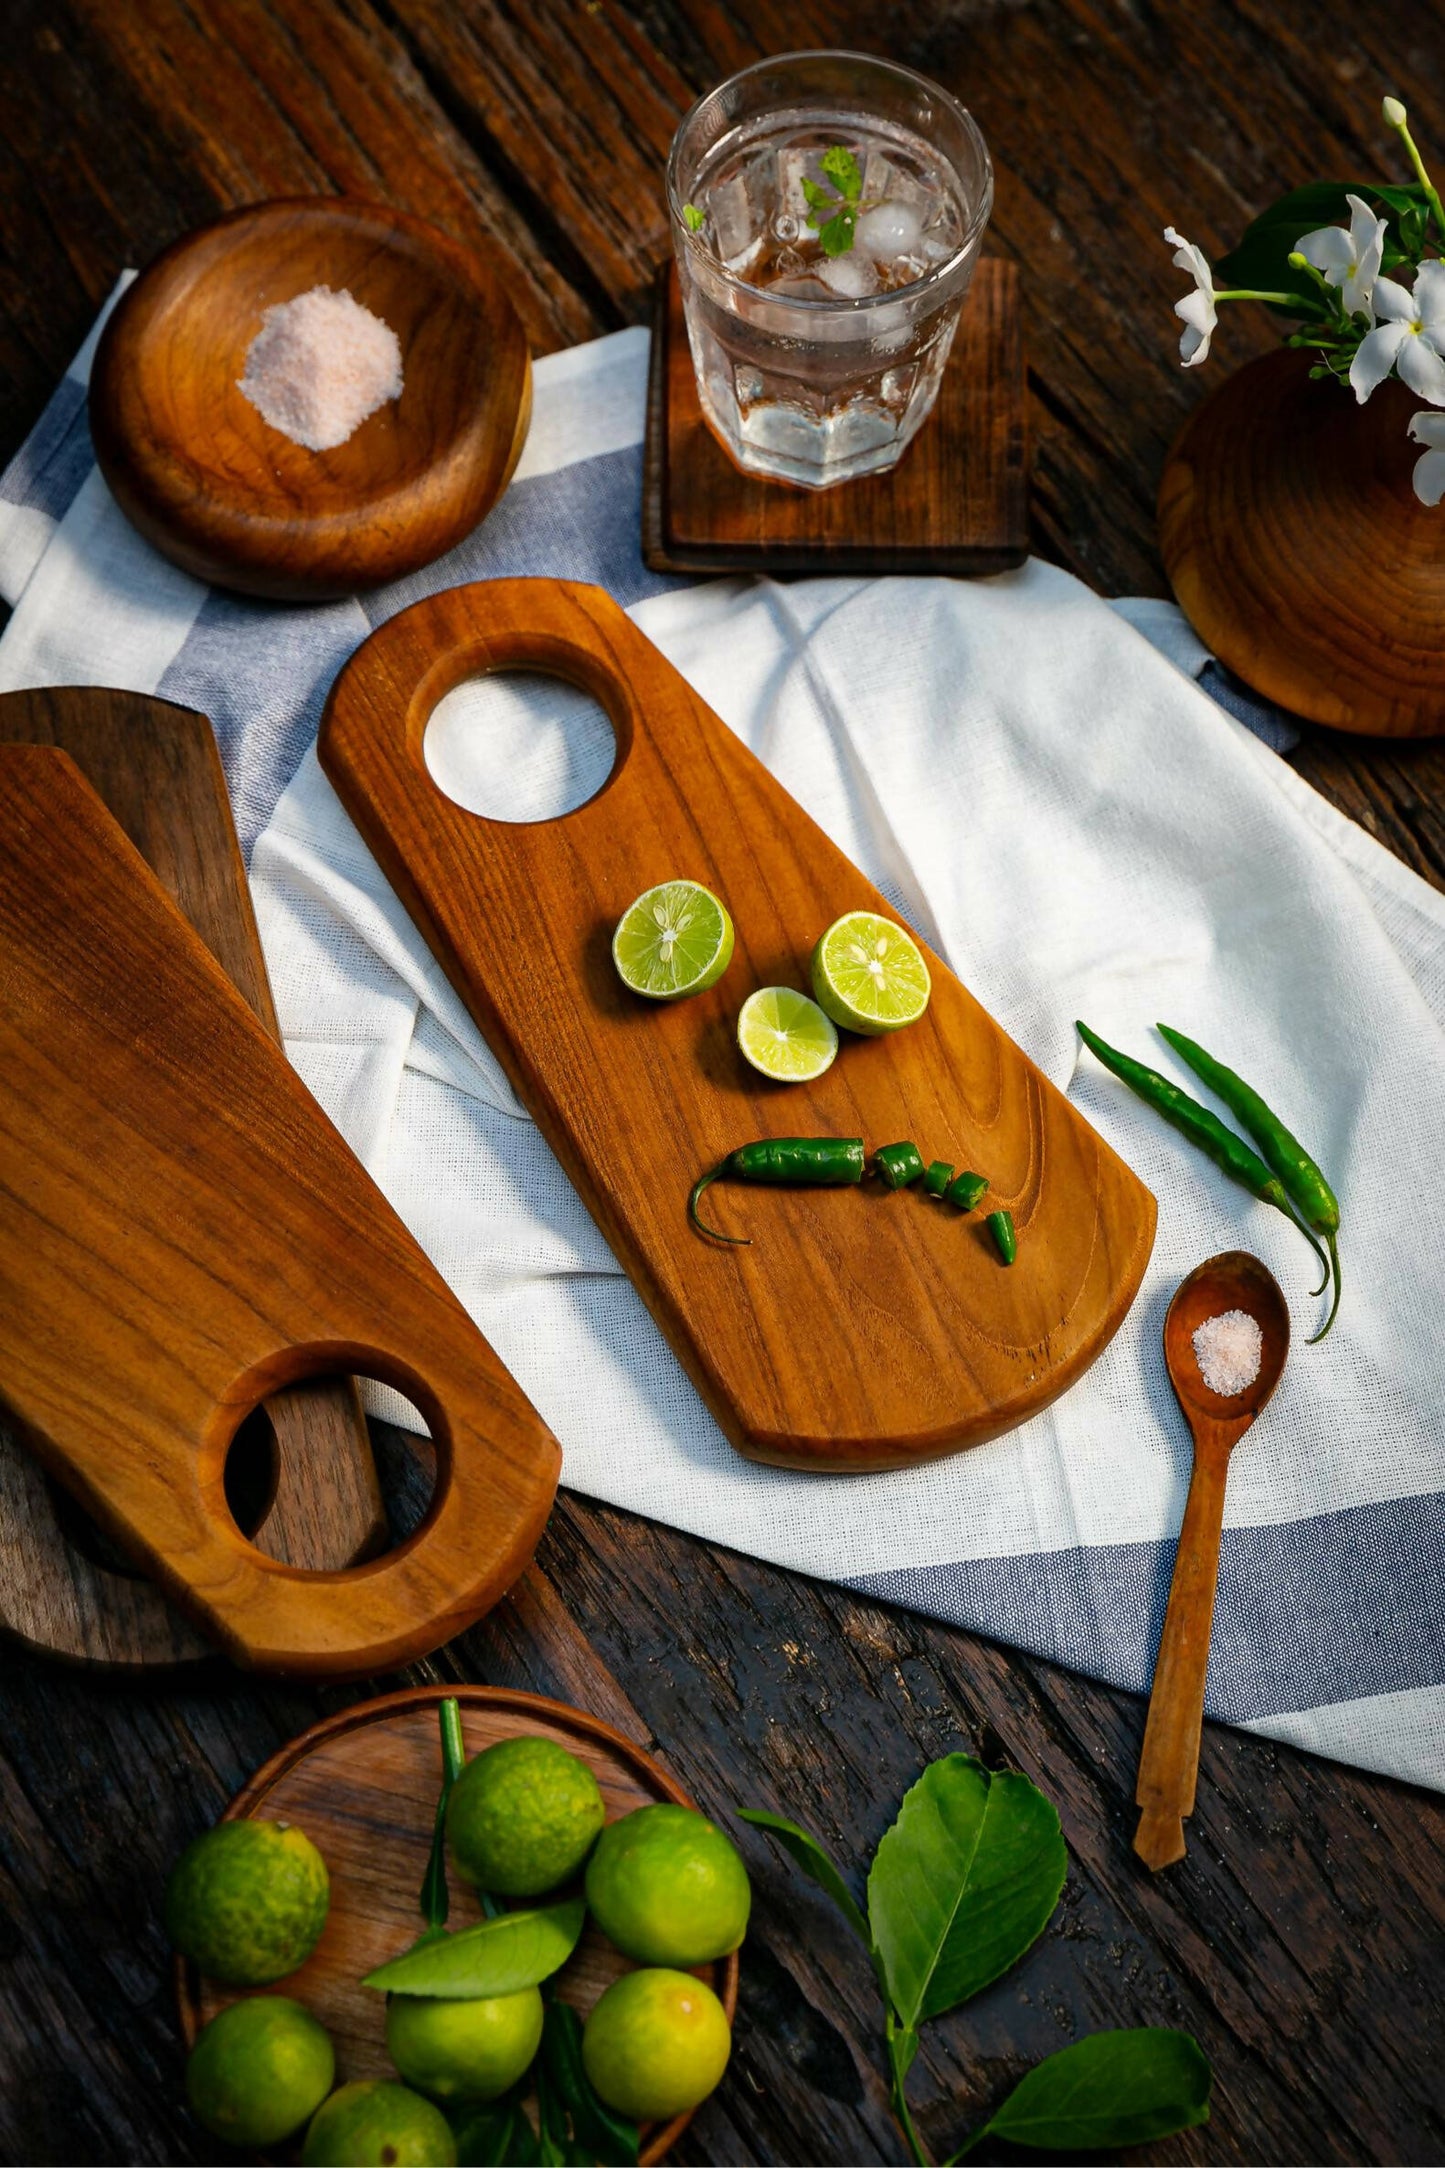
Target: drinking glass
(827,210)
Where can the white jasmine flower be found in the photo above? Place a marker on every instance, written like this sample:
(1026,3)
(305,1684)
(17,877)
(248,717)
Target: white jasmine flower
(1429,476)
(1196,310)
(1409,337)
(1349,256)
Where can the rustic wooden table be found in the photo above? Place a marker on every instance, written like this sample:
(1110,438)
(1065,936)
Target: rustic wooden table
(1301,1941)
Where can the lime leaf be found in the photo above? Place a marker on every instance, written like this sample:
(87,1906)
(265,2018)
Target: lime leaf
(1260,259)
(1112,2089)
(841,168)
(961,1885)
(499,2135)
(603,2136)
(496,1957)
(815,1863)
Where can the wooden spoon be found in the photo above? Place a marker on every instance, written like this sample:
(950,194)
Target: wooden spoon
(1169,1764)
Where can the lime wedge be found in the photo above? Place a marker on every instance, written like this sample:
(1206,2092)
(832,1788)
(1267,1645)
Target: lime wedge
(869,975)
(785,1035)
(676,939)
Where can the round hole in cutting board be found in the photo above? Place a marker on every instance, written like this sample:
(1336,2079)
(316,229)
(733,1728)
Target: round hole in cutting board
(519,745)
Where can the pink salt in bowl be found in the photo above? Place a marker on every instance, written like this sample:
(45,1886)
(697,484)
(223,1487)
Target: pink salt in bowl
(232,498)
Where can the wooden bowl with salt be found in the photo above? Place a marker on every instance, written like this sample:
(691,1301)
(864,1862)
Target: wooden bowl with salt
(236,499)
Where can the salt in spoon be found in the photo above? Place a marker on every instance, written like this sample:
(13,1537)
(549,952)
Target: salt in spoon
(1169,1763)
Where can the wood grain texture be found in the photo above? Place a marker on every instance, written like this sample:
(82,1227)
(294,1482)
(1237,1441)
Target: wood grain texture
(957,502)
(363,1786)
(1299,1940)
(156,769)
(860,1330)
(1300,553)
(1169,1761)
(184,1232)
(215,488)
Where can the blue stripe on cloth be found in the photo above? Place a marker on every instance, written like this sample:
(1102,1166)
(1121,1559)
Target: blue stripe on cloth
(50,466)
(581,522)
(1332,1608)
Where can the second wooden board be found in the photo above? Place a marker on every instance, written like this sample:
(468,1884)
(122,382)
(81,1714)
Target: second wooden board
(861,1329)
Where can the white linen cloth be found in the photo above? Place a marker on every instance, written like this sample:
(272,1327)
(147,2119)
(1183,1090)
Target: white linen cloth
(1080,832)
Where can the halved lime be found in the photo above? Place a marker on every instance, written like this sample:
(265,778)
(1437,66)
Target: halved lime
(869,975)
(676,939)
(785,1035)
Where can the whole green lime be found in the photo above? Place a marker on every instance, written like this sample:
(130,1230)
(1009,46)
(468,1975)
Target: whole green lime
(376,2124)
(247,1901)
(464,2050)
(523,1816)
(668,1887)
(656,2044)
(259,2069)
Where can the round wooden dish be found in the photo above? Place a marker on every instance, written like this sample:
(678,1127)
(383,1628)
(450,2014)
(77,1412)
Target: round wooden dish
(227,497)
(1300,553)
(363,1786)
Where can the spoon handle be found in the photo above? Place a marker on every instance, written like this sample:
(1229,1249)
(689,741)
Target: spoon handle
(1169,1763)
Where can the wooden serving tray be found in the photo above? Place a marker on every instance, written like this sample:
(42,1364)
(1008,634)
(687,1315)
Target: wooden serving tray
(363,1786)
(862,1330)
(182,1232)
(156,768)
(958,500)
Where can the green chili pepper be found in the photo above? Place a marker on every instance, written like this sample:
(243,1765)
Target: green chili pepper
(1303,1181)
(965,1190)
(938,1177)
(1001,1227)
(1230,1153)
(898,1164)
(818,1162)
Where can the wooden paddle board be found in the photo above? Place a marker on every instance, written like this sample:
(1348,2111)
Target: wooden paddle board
(63,1588)
(862,1329)
(182,1233)
(363,1785)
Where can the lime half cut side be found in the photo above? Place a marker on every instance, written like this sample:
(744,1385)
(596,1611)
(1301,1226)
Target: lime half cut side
(676,939)
(869,975)
(785,1035)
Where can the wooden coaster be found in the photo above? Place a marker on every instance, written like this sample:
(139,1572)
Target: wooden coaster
(363,1786)
(956,502)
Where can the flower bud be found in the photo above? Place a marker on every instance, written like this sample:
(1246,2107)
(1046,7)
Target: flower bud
(1394,113)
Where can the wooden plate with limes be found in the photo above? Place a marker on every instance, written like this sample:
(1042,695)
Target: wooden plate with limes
(363,1786)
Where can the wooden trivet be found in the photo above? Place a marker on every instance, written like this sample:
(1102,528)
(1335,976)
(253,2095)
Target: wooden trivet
(1301,555)
(363,1786)
(956,502)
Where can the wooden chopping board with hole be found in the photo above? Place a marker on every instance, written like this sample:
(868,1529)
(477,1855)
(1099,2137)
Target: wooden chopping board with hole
(862,1329)
(63,1587)
(183,1235)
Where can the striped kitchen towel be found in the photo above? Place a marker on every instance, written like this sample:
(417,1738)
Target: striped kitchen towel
(1055,804)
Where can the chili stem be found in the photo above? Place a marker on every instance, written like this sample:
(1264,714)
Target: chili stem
(714,1233)
(1334,1306)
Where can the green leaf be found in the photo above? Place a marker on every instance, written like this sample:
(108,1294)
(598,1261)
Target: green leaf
(602,2136)
(961,1885)
(434,1899)
(1261,257)
(821,200)
(497,2136)
(841,168)
(815,1863)
(496,1957)
(693,218)
(1112,2089)
(837,235)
